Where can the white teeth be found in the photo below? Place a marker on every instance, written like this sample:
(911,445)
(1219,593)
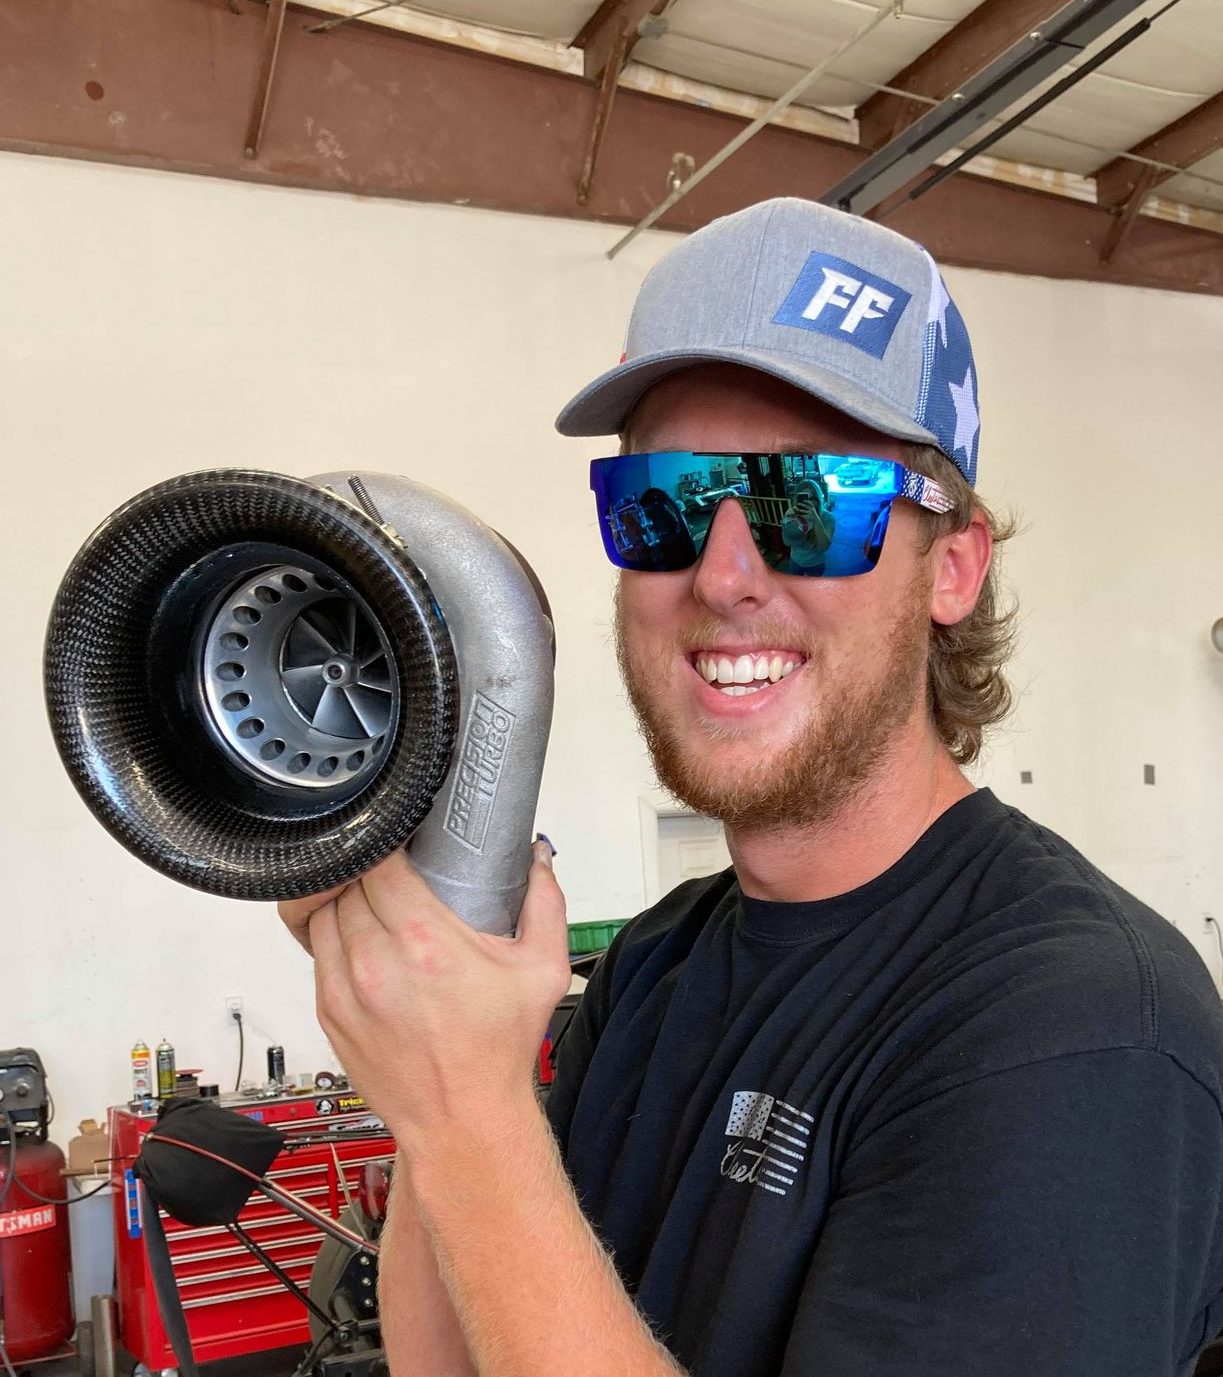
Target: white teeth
(764,668)
(738,690)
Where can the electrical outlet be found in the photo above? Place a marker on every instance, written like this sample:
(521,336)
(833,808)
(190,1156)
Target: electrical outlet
(234,1009)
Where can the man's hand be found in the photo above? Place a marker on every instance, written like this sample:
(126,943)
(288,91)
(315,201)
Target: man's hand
(435,1023)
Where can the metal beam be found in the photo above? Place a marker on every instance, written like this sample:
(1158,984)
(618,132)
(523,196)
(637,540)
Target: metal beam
(598,127)
(368,111)
(1182,143)
(606,39)
(1020,117)
(1127,215)
(976,41)
(762,121)
(273,28)
(956,120)
(599,35)
(326,25)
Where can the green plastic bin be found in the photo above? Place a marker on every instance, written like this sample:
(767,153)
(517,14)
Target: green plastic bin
(589,937)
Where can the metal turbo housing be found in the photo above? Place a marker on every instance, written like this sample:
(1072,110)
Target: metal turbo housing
(262,685)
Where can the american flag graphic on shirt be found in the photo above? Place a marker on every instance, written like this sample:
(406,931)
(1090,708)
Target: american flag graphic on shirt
(770,1140)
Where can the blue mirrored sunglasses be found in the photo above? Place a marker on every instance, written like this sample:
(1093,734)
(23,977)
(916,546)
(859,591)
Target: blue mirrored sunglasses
(822,515)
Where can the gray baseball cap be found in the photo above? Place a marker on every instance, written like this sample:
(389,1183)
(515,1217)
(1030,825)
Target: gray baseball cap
(847,310)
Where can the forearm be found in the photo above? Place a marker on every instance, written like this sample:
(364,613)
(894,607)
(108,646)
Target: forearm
(420,1332)
(531,1283)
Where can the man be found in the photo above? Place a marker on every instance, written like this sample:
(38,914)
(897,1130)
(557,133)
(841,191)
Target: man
(913,1089)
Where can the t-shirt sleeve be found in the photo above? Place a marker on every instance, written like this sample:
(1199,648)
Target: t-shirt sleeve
(1057,1219)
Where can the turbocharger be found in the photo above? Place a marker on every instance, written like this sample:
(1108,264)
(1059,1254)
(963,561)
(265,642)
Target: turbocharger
(263,685)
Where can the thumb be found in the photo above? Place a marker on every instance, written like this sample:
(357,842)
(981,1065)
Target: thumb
(542,924)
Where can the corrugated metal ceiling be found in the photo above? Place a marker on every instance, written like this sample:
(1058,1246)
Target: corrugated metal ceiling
(760,47)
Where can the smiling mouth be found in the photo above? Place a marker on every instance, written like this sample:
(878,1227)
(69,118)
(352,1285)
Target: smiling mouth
(751,672)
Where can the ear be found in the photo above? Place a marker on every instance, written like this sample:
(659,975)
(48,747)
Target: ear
(961,561)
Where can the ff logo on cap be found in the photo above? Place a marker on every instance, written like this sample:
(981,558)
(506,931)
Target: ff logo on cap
(846,302)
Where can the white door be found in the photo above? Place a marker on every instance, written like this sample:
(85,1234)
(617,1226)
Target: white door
(689,846)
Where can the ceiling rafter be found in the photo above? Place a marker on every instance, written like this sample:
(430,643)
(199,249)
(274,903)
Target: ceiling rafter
(975,42)
(273,30)
(1128,213)
(598,127)
(599,38)
(1182,143)
(606,39)
(506,142)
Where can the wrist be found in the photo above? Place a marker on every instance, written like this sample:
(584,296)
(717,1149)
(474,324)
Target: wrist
(468,1145)
(455,1107)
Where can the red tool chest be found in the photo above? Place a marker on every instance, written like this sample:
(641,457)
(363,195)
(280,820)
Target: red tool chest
(232,1302)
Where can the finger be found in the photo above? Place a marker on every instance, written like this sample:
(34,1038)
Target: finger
(295,913)
(542,925)
(299,929)
(333,998)
(356,918)
(324,933)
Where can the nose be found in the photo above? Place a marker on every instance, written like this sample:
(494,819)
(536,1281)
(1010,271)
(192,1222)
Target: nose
(730,572)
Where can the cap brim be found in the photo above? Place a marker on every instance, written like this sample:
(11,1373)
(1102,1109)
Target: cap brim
(603,406)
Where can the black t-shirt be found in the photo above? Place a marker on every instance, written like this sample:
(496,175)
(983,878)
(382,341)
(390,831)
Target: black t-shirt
(962,1120)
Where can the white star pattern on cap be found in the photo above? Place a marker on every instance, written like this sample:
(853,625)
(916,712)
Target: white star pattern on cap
(939,301)
(967,421)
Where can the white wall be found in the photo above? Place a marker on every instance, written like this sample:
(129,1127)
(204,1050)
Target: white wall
(1104,410)
(152,324)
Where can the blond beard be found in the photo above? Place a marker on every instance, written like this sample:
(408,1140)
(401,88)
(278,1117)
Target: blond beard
(841,745)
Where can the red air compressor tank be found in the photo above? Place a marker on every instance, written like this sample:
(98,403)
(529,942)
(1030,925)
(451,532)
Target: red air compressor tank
(35,1297)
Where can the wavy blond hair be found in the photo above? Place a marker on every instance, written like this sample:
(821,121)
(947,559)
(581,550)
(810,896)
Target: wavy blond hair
(966,688)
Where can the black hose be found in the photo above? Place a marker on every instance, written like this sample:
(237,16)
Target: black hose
(73,1200)
(10,1174)
(11,1170)
(241,1051)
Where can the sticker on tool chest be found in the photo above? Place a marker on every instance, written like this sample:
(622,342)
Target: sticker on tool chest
(339,1104)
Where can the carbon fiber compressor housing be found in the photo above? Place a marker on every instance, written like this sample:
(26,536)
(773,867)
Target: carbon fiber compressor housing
(251,684)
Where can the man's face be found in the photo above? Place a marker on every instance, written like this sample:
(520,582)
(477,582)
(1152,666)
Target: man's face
(791,751)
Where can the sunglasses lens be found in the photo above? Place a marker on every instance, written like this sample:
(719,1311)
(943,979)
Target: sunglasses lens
(641,501)
(809,514)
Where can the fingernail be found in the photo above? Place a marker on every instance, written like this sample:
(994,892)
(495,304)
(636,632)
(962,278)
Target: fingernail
(543,837)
